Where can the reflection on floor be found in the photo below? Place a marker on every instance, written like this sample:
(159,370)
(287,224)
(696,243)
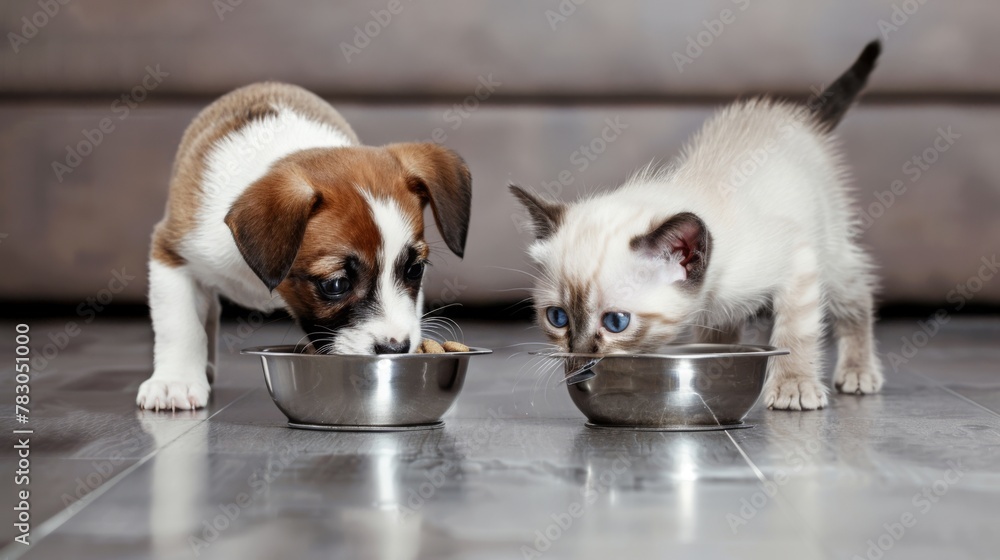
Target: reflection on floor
(912,473)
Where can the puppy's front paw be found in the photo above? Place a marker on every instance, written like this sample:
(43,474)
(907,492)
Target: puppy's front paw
(163,394)
(858,380)
(795,393)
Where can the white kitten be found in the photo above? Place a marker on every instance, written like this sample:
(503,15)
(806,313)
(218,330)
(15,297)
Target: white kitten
(754,214)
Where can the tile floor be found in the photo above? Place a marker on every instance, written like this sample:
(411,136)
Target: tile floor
(912,473)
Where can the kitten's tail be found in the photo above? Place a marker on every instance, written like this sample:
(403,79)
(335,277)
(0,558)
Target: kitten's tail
(831,105)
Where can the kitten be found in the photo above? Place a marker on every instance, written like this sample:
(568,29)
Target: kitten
(754,214)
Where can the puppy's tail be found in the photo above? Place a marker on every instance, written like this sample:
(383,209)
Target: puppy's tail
(830,106)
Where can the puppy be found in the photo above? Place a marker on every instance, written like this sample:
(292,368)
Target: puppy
(274,203)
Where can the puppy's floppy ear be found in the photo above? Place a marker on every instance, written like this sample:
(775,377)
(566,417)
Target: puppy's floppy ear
(440,176)
(268,222)
(545,216)
(684,241)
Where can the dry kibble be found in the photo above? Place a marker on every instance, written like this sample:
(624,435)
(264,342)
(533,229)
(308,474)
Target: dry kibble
(432,347)
(429,346)
(452,346)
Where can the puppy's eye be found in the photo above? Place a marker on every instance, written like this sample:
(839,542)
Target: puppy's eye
(415,271)
(616,321)
(557,317)
(334,287)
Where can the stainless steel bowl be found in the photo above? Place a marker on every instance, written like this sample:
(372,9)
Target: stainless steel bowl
(684,387)
(363,392)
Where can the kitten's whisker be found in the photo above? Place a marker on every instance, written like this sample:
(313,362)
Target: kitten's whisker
(517,306)
(544,345)
(543,379)
(568,376)
(532,365)
(541,354)
(548,282)
(545,390)
(502,290)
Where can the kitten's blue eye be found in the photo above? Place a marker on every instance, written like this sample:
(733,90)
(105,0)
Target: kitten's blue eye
(616,321)
(557,316)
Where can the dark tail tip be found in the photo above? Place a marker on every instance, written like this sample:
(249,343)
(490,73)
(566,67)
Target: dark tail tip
(833,103)
(871,52)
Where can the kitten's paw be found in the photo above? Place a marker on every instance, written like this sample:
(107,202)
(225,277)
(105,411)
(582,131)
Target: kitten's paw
(795,393)
(173,394)
(858,380)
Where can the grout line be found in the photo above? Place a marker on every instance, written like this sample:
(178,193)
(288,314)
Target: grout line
(756,471)
(50,525)
(784,506)
(947,389)
(970,401)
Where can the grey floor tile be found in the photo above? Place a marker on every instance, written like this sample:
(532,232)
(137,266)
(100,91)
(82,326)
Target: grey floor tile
(514,472)
(56,486)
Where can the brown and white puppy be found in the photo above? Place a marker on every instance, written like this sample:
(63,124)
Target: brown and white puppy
(274,203)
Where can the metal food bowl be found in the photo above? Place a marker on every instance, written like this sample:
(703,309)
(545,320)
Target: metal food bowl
(388,392)
(684,387)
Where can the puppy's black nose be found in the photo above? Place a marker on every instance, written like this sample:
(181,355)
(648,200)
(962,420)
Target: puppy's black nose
(392,347)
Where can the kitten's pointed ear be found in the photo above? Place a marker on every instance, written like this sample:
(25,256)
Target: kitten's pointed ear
(440,177)
(684,240)
(545,216)
(268,222)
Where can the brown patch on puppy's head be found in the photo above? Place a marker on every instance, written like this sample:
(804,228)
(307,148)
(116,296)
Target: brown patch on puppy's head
(339,233)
